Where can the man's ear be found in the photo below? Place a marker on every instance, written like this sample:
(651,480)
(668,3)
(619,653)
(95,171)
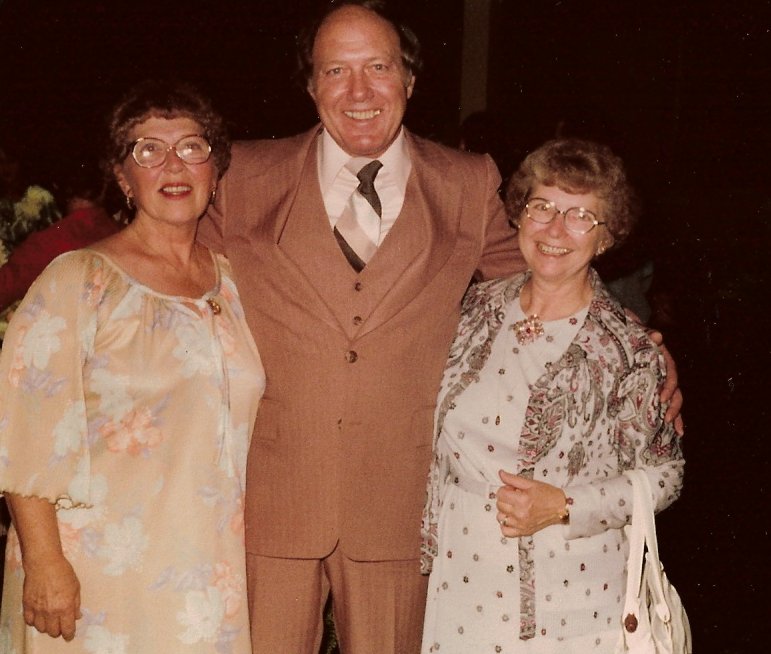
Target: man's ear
(410,86)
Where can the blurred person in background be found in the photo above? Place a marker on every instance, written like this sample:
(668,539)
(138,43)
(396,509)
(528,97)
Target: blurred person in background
(85,222)
(24,207)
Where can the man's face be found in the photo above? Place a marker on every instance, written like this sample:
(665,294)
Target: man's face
(359,83)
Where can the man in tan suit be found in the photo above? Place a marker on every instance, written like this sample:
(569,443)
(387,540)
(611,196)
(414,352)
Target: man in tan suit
(338,461)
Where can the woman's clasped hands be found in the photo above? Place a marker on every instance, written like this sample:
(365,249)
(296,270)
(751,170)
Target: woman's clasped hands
(526,506)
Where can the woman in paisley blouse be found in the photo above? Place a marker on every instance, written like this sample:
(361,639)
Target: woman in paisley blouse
(549,395)
(129,384)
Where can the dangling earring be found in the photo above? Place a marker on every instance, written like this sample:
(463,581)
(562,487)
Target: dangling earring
(129,203)
(600,250)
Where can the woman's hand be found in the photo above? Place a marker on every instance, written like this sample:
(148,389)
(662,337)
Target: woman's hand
(526,506)
(51,599)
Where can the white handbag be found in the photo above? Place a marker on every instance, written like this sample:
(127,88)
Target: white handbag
(654,620)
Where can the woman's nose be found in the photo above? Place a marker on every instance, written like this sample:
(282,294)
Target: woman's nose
(173,160)
(557,225)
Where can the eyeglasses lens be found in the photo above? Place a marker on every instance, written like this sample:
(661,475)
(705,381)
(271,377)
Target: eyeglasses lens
(541,211)
(149,152)
(579,220)
(193,149)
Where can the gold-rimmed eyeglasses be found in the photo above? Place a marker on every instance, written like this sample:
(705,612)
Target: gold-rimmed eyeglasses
(150,152)
(576,219)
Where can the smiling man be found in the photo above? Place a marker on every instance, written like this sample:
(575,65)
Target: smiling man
(352,245)
(359,82)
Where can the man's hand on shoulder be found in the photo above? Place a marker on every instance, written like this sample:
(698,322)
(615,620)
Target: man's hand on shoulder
(670,391)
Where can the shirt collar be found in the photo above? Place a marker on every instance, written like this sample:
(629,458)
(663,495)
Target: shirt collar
(332,158)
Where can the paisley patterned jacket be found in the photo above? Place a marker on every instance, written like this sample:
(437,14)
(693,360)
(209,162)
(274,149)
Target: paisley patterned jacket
(592,415)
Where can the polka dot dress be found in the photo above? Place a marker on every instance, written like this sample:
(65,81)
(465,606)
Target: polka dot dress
(474,598)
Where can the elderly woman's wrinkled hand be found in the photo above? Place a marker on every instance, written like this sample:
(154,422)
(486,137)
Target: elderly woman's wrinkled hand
(526,506)
(51,600)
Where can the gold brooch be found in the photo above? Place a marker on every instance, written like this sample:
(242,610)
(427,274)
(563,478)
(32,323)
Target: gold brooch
(528,330)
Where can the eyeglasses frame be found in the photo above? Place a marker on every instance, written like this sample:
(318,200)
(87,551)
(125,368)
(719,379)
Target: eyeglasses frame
(130,150)
(564,214)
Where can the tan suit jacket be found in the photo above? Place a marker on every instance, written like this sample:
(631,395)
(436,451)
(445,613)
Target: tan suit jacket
(341,447)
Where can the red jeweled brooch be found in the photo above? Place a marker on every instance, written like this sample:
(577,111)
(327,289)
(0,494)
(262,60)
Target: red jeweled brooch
(528,330)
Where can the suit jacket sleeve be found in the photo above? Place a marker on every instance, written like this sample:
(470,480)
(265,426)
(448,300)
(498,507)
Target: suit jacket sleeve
(500,251)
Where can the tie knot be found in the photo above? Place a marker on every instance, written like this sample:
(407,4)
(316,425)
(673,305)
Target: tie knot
(368,173)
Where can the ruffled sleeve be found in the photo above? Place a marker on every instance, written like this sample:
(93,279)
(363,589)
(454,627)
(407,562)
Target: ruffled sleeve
(44,447)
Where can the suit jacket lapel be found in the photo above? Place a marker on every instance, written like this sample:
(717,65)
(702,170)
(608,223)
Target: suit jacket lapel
(304,237)
(421,240)
(415,250)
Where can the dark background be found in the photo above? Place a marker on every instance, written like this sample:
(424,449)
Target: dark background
(680,89)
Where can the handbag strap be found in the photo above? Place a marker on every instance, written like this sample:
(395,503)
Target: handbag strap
(636,537)
(642,531)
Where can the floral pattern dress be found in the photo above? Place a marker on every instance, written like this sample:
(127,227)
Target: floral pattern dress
(574,408)
(132,411)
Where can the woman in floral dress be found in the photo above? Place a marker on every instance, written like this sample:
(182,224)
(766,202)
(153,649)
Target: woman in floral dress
(129,383)
(549,395)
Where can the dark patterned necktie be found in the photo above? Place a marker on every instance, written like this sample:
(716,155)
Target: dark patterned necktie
(358,229)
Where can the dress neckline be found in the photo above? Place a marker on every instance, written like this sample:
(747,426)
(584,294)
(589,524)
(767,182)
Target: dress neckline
(550,327)
(204,298)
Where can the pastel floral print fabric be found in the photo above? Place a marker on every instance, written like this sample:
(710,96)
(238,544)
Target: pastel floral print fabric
(132,412)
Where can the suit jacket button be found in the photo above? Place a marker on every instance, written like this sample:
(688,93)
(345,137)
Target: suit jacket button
(357,320)
(357,286)
(351,356)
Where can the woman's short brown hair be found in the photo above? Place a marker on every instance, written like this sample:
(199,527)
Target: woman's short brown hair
(578,166)
(164,99)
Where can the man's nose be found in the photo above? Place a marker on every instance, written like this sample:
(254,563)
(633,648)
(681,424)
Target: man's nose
(359,88)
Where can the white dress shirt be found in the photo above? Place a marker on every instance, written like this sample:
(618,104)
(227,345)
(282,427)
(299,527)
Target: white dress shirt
(337,182)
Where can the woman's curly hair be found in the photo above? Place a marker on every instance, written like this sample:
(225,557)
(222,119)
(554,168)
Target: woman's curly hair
(165,99)
(578,166)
